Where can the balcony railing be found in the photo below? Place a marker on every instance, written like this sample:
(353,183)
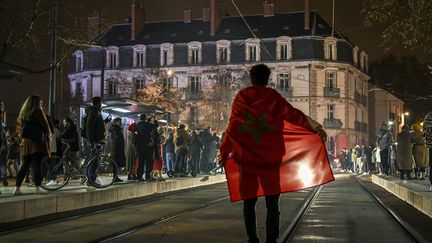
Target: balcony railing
(363,100)
(331,92)
(332,123)
(285,92)
(196,95)
(357,97)
(357,125)
(363,127)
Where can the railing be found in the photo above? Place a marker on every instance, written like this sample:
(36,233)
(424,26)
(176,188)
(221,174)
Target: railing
(331,92)
(285,92)
(332,123)
(196,95)
(363,127)
(357,125)
(364,100)
(357,97)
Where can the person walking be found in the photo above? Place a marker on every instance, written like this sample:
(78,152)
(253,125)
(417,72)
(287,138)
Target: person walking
(265,139)
(35,140)
(419,151)
(195,147)
(94,131)
(404,153)
(131,151)
(170,154)
(117,142)
(145,147)
(427,133)
(182,140)
(384,141)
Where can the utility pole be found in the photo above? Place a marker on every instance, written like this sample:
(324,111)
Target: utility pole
(333,17)
(53,70)
(102,79)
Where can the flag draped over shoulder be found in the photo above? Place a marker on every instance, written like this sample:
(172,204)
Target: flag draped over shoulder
(270,147)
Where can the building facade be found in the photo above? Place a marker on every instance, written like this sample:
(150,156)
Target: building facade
(323,75)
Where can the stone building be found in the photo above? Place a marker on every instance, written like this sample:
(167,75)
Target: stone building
(320,73)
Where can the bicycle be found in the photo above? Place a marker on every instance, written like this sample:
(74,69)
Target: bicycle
(98,169)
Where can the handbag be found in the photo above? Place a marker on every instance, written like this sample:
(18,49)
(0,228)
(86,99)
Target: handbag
(33,130)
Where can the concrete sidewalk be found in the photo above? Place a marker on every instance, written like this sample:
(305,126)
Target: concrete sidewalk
(76,196)
(414,192)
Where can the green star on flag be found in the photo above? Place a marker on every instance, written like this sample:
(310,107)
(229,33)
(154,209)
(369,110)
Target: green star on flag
(256,126)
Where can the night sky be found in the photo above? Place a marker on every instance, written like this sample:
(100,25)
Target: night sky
(348,21)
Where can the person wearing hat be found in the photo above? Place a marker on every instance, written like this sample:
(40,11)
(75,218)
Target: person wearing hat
(404,153)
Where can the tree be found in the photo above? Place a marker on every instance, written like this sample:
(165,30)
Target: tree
(408,79)
(407,22)
(225,83)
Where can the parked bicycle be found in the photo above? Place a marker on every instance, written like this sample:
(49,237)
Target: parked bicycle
(97,169)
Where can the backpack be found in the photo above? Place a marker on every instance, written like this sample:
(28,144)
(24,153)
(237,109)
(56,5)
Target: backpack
(179,141)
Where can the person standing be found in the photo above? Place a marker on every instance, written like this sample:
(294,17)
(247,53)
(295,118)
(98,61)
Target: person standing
(145,147)
(419,151)
(157,138)
(3,153)
(206,140)
(94,131)
(169,154)
(181,142)
(195,147)
(384,141)
(70,137)
(131,152)
(404,153)
(258,151)
(427,133)
(34,149)
(117,142)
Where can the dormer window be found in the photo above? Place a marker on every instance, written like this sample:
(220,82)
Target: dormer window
(283,48)
(166,54)
(139,55)
(363,60)
(330,50)
(253,51)
(355,55)
(78,61)
(194,52)
(223,51)
(112,57)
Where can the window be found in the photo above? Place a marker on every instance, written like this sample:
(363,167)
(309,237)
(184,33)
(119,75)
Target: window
(139,84)
(78,88)
(195,85)
(284,82)
(355,114)
(166,54)
(331,80)
(223,51)
(363,116)
(331,111)
(224,80)
(283,48)
(139,59)
(194,53)
(139,55)
(330,51)
(78,61)
(253,50)
(111,87)
(112,57)
(194,114)
(355,55)
(355,85)
(284,51)
(167,82)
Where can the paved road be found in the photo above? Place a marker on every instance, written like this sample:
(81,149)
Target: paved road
(343,212)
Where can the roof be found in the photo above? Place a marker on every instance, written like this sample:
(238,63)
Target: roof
(230,28)
(9,70)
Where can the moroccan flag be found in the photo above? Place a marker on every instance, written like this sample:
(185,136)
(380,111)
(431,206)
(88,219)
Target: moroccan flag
(270,147)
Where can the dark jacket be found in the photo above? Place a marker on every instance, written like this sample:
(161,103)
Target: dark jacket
(144,134)
(71,135)
(169,144)
(30,147)
(95,127)
(156,140)
(117,144)
(195,145)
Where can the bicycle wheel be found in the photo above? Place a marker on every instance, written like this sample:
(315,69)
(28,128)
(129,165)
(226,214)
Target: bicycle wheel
(101,171)
(55,173)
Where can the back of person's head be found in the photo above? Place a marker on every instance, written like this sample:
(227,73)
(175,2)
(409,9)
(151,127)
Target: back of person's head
(32,102)
(259,74)
(68,120)
(143,117)
(117,120)
(405,128)
(416,127)
(181,126)
(96,100)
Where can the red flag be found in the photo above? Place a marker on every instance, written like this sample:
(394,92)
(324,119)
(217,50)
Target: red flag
(270,147)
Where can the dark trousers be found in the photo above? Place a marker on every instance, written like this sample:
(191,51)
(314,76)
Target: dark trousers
(384,154)
(430,165)
(407,172)
(272,220)
(145,158)
(3,160)
(195,159)
(34,161)
(180,166)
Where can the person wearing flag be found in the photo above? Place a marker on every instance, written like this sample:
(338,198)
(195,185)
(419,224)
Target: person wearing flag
(270,148)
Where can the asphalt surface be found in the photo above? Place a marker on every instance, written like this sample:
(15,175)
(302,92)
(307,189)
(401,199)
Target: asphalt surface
(343,212)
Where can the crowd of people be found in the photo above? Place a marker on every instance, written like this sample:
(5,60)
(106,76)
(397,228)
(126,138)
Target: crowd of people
(405,154)
(144,154)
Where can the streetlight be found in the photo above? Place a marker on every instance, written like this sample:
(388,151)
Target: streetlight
(406,113)
(170,74)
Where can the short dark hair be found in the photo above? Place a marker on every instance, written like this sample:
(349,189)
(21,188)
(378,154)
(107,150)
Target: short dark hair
(143,117)
(259,74)
(96,100)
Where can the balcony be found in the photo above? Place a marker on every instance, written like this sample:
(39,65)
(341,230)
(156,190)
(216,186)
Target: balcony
(332,123)
(357,125)
(363,100)
(285,92)
(195,95)
(357,97)
(363,127)
(331,92)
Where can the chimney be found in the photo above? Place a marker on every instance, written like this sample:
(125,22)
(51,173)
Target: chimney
(214,16)
(306,14)
(206,14)
(137,19)
(268,8)
(93,26)
(187,15)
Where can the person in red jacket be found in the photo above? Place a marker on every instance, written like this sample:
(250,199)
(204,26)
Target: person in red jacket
(270,148)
